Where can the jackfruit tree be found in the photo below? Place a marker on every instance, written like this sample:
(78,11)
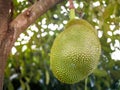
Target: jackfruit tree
(36,35)
(10,29)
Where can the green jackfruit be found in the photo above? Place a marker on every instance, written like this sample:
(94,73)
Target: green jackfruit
(75,52)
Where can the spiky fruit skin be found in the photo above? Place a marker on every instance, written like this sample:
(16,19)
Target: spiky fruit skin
(75,52)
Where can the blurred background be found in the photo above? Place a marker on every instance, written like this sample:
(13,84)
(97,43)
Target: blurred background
(28,66)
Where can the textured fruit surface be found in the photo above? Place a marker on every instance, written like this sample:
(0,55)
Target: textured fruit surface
(75,52)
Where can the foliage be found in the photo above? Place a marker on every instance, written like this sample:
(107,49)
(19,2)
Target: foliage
(28,67)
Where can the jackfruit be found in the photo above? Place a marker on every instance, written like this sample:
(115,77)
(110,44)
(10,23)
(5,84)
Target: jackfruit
(75,52)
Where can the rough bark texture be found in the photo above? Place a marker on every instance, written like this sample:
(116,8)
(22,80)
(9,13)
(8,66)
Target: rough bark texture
(4,14)
(9,32)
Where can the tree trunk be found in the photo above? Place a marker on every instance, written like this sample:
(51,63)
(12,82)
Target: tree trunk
(2,67)
(10,31)
(4,14)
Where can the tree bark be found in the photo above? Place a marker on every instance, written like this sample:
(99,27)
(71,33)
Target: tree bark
(10,31)
(4,14)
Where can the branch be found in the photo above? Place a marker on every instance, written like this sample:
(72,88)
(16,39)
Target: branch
(4,14)
(71,4)
(25,19)
(8,35)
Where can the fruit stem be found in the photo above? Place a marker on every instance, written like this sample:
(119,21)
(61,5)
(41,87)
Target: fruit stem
(72,10)
(86,83)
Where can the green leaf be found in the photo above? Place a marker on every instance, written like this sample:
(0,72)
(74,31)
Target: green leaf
(47,77)
(115,74)
(27,86)
(22,85)
(10,86)
(100,73)
(108,11)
